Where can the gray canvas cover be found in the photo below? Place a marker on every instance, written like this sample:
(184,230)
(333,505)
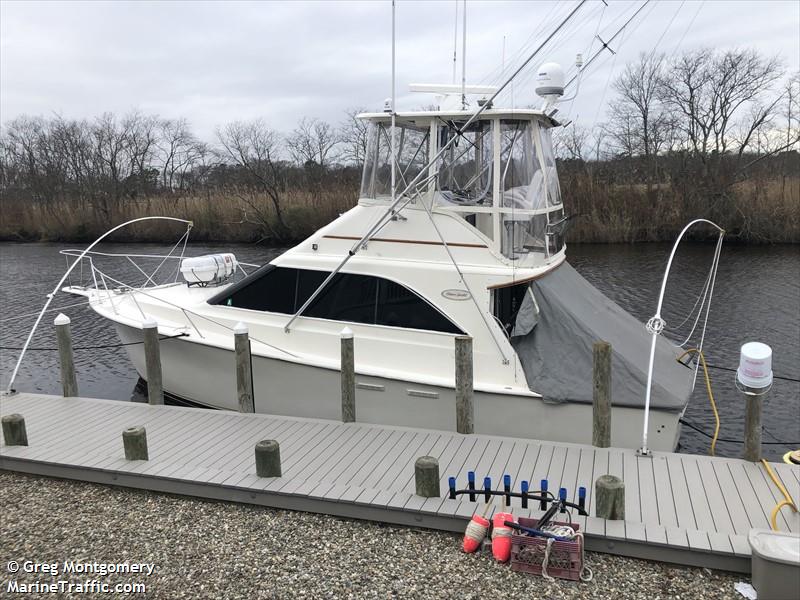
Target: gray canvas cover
(554,344)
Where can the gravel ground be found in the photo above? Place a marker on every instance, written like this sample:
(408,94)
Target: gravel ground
(205,549)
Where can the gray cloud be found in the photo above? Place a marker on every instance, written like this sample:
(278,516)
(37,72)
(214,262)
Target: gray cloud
(213,62)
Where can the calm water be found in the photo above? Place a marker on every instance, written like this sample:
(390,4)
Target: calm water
(757,298)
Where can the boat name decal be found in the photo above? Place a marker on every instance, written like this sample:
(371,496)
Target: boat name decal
(456,294)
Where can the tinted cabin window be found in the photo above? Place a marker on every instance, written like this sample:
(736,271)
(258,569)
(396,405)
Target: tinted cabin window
(400,307)
(348,297)
(307,284)
(272,291)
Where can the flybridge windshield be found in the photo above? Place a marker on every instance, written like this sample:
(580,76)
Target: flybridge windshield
(411,148)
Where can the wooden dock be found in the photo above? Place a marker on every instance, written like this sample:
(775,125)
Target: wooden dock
(685,509)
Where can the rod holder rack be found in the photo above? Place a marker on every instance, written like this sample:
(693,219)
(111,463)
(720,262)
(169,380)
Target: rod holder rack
(543,496)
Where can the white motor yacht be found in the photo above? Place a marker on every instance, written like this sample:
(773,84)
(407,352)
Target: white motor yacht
(470,242)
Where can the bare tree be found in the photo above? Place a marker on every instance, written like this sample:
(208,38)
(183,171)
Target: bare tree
(311,142)
(353,137)
(255,149)
(637,88)
(179,152)
(716,94)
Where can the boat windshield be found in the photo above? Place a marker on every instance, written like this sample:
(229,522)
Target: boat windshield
(465,169)
(411,146)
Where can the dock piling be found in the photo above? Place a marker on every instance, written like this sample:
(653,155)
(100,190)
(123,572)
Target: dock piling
(134,440)
(609,494)
(754,380)
(244,368)
(465,414)
(426,477)
(268,458)
(152,354)
(752,424)
(14,433)
(348,369)
(69,383)
(601,395)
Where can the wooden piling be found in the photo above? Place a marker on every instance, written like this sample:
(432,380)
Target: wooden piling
(244,368)
(14,433)
(426,477)
(465,413)
(268,458)
(152,353)
(601,395)
(348,376)
(69,383)
(754,400)
(134,440)
(609,498)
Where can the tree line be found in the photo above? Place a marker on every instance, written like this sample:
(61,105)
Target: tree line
(682,135)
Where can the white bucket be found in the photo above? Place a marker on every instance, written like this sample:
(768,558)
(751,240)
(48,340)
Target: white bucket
(755,365)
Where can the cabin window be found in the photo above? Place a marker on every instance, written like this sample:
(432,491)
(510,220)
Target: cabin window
(348,297)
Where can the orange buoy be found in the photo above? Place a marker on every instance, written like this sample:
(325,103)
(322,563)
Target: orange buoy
(501,536)
(476,531)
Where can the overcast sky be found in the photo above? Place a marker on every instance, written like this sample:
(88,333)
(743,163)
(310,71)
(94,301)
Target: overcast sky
(214,62)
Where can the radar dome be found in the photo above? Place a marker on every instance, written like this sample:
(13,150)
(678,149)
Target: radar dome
(550,81)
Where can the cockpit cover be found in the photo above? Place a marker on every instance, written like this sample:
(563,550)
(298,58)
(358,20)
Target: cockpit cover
(556,347)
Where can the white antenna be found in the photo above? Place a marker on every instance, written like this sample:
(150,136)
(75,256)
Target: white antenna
(394,112)
(455,43)
(464,60)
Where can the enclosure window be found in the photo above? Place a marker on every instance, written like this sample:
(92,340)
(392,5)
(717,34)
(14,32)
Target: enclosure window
(412,149)
(465,169)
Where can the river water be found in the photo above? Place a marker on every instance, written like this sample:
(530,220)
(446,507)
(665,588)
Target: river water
(757,298)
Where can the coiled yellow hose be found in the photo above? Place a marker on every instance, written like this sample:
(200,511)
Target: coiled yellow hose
(787,501)
(710,395)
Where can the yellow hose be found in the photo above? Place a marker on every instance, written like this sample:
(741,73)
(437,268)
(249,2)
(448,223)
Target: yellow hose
(787,501)
(710,395)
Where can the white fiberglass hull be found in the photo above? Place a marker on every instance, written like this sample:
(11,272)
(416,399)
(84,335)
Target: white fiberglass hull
(205,374)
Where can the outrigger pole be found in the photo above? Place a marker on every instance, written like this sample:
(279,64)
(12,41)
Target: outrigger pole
(423,172)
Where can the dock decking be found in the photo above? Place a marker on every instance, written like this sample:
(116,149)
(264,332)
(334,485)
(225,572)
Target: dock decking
(686,509)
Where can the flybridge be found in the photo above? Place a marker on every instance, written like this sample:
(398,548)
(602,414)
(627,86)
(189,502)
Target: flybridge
(497,172)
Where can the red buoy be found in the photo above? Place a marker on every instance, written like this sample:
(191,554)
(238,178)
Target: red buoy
(476,531)
(501,536)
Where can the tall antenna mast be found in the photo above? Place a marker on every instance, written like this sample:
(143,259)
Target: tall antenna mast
(464,60)
(394,112)
(455,43)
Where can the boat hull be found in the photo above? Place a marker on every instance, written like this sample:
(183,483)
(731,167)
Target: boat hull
(206,375)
